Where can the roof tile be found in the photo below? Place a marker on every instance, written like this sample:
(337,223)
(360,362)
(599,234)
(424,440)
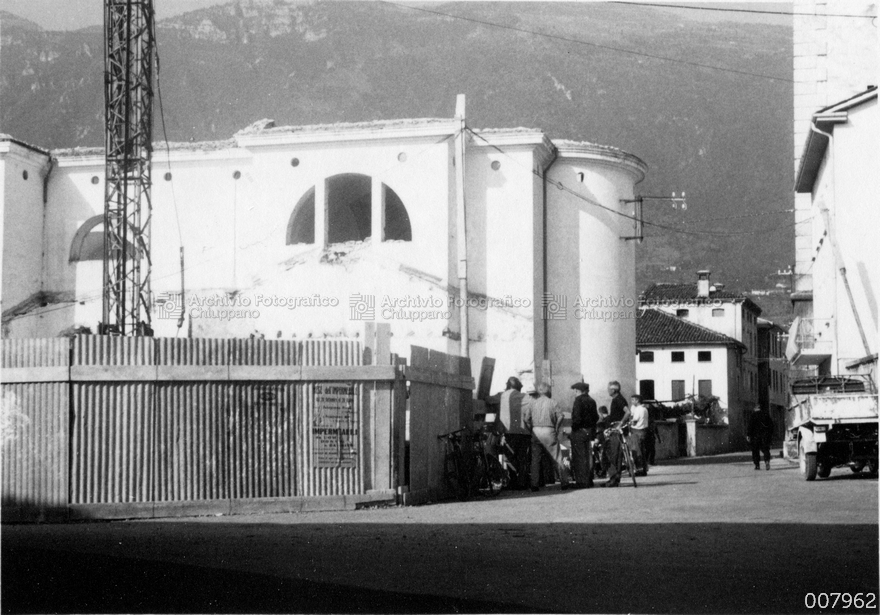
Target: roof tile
(657,328)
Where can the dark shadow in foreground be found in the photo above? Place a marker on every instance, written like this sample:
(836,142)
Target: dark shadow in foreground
(87,583)
(243,565)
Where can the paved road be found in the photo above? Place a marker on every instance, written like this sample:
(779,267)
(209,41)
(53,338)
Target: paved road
(698,535)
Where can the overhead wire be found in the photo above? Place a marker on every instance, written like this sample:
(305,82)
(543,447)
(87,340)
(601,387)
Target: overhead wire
(568,39)
(748,11)
(586,199)
(170,175)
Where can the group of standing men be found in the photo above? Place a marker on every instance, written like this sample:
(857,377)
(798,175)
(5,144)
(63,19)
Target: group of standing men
(534,420)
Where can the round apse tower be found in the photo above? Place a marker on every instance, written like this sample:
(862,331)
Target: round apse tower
(590,259)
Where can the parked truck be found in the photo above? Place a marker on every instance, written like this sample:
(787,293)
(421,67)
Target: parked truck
(834,423)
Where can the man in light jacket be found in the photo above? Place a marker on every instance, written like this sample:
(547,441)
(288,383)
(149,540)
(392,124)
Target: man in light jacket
(544,419)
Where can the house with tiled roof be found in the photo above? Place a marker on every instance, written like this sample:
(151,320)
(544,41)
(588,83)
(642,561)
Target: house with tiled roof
(700,338)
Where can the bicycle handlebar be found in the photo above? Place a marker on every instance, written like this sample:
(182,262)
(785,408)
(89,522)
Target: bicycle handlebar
(451,433)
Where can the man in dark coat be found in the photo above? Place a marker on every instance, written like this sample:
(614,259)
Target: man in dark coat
(515,433)
(584,417)
(618,414)
(759,435)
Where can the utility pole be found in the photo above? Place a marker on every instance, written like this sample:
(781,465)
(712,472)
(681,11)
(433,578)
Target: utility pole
(461,225)
(128,131)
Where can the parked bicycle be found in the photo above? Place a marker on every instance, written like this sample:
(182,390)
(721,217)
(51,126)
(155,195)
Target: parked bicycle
(600,461)
(471,464)
(617,431)
(488,476)
(456,474)
(509,472)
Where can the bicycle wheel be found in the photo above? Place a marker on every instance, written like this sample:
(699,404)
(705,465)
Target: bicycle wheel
(599,466)
(630,466)
(481,478)
(497,475)
(456,477)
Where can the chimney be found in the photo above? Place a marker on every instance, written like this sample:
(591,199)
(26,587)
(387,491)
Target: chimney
(703,283)
(719,287)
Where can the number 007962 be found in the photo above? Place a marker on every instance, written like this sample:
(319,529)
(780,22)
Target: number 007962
(840,600)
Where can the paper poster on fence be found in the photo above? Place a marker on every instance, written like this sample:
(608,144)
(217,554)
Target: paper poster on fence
(334,426)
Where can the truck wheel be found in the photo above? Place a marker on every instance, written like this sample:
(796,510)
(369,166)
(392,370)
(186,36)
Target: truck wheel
(824,470)
(857,466)
(807,463)
(872,467)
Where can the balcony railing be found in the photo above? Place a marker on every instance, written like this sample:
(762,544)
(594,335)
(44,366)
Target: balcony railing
(812,331)
(810,340)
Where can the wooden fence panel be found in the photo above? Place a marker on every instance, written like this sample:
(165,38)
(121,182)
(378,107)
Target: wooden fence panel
(441,393)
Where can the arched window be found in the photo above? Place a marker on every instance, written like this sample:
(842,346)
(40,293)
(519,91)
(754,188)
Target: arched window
(88,243)
(397,226)
(301,227)
(349,209)
(349,212)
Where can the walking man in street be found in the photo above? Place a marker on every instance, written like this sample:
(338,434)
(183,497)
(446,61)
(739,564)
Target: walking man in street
(618,414)
(584,417)
(655,415)
(759,435)
(639,433)
(544,419)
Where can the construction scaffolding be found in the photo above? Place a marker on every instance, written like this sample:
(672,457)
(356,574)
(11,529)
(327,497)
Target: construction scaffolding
(128,104)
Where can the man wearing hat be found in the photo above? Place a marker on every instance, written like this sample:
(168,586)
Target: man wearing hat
(544,419)
(515,433)
(584,417)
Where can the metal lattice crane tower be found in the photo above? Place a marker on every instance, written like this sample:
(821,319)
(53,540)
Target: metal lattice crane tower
(128,108)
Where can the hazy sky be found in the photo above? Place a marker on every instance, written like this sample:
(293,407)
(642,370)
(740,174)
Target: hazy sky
(75,14)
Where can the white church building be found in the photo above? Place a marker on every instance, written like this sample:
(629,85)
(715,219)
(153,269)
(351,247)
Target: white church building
(307,231)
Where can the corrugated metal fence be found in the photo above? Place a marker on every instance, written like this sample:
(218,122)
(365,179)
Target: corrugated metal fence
(106,427)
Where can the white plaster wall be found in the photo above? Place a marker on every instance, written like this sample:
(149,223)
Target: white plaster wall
(847,185)
(21,208)
(234,231)
(504,262)
(663,371)
(588,262)
(729,382)
(834,58)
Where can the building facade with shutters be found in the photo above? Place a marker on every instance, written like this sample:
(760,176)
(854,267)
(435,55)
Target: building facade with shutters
(677,360)
(773,391)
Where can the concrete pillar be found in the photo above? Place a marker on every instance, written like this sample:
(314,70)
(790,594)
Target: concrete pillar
(691,445)
(377,213)
(321,229)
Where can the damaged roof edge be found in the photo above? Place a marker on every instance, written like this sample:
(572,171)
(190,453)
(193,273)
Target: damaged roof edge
(264,133)
(5,138)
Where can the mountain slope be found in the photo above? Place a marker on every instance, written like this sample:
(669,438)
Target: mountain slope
(723,137)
